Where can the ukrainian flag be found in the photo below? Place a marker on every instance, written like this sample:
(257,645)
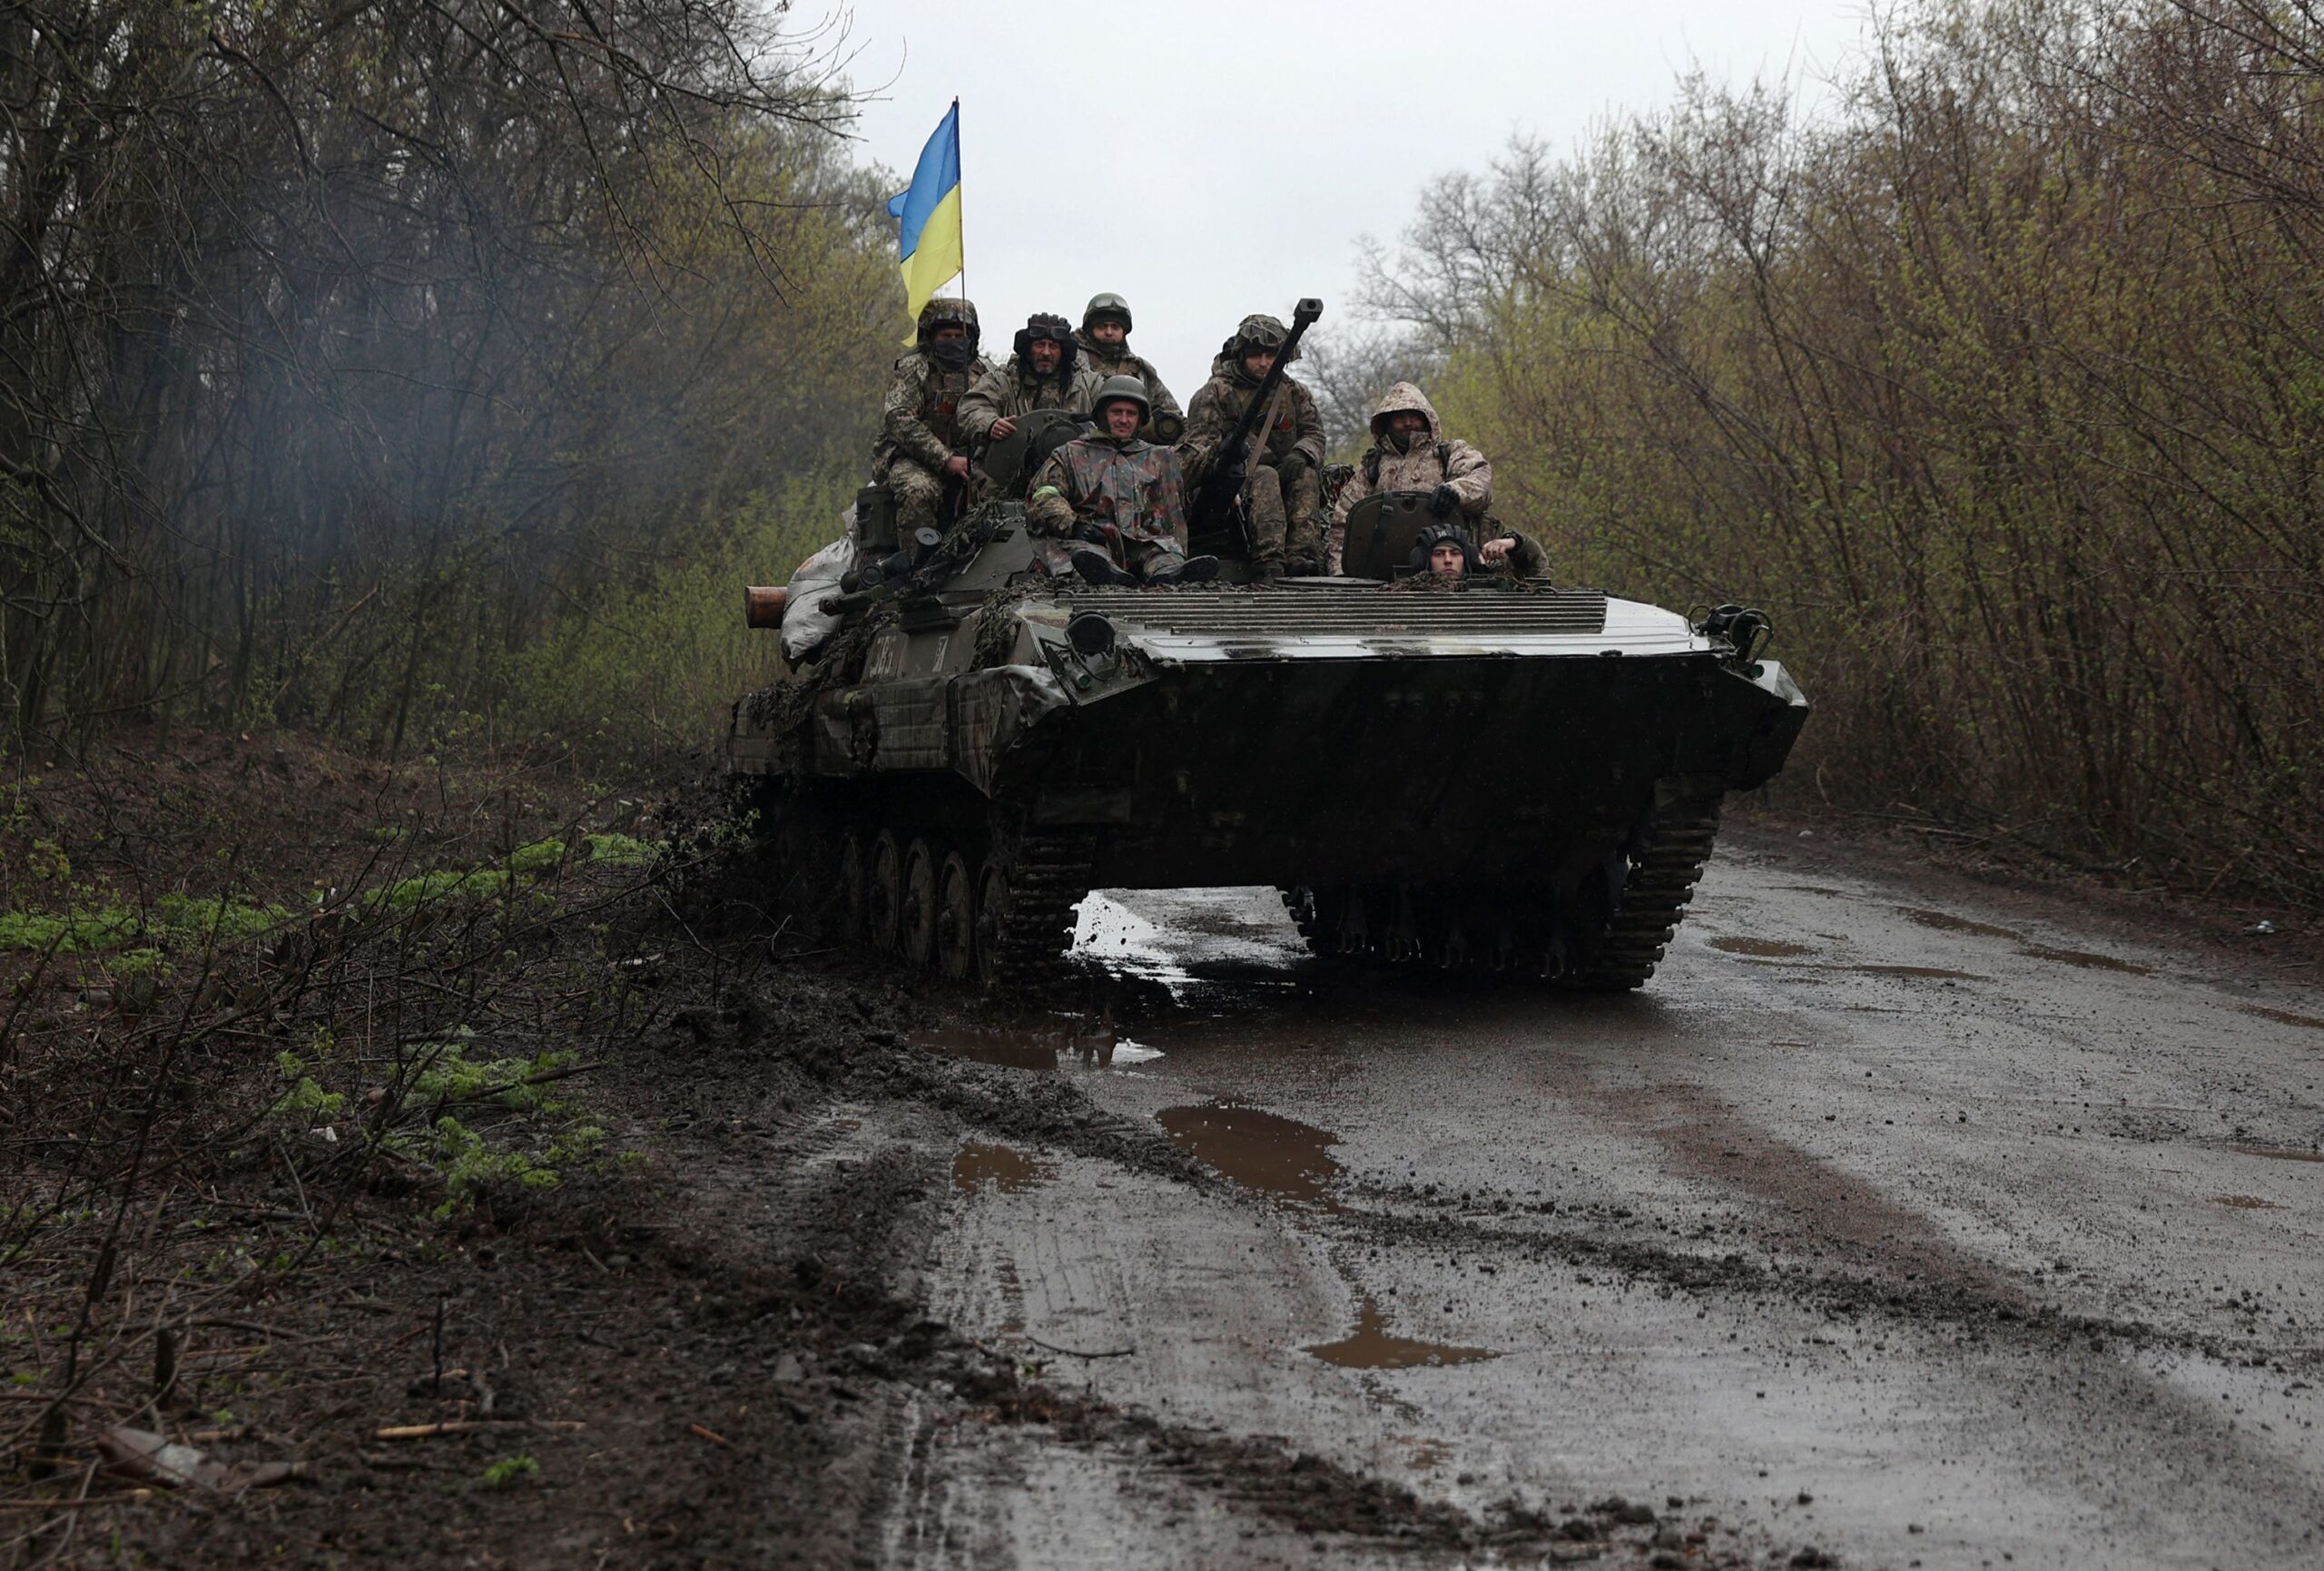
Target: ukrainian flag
(929,246)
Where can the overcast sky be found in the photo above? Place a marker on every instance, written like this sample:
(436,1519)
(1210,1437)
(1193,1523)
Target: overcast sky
(1206,160)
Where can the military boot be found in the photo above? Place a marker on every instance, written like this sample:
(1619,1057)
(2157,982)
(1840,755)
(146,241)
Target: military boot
(1182,570)
(1098,566)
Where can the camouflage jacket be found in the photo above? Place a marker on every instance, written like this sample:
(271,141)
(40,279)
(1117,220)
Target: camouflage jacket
(1431,461)
(1131,484)
(1120,362)
(1004,393)
(922,417)
(1211,418)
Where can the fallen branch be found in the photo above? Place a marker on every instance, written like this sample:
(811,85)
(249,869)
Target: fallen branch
(463,1425)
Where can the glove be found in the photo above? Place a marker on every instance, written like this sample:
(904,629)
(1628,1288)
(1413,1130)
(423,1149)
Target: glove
(1443,502)
(1093,532)
(1292,468)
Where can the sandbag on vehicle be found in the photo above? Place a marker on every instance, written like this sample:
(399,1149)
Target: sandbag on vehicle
(805,623)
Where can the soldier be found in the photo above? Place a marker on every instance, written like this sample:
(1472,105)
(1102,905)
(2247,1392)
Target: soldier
(1104,341)
(1409,452)
(1445,550)
(1286,448)
(1111,505)
(1041,375)
(920,448)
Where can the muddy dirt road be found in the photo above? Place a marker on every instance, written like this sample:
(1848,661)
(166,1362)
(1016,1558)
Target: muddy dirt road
(1898,1222)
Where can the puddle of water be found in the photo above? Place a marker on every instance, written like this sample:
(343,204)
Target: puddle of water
(1006,1168)
(2279,1153)
(1373,1346)
(2083,958)
(1768,949)
(1937,972)
(1945,922)
(1815,889)
(1263,1151)
(2285,1018)
(2249,1203)
(1036,1047)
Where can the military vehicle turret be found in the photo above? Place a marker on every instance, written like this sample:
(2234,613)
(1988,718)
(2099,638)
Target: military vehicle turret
(1512,776)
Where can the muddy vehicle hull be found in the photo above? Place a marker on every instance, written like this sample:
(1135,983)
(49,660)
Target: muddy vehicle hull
(1490,776)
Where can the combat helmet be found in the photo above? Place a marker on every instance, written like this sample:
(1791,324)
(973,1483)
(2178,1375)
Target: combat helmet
(1044,325)
(1106,305)
(1116,388)
(1435,534)
(938,313)
(1256,331)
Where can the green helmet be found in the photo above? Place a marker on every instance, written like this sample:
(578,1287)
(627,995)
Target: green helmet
(1105,305)
(938,313)
(1116,389)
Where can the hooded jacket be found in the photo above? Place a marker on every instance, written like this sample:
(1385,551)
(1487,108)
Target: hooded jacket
(1005,392)
(1431,461)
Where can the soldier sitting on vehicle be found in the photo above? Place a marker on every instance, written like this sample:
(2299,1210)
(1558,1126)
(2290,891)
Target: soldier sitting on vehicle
(1409,452)
(920,449)
(1041,375)
(1111,505)
(1279,493)
(1104,343)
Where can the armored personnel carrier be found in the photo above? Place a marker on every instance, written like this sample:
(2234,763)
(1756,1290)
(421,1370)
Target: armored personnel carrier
(1492,774)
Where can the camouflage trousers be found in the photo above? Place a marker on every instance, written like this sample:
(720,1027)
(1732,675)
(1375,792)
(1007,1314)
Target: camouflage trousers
(1281,523)
(1141,557)
(919,494)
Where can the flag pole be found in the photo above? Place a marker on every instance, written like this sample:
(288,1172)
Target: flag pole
(961,186)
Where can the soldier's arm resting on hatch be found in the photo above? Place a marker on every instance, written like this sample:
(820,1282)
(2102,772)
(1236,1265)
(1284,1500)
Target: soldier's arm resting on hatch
(981,405)
(1469,476)
(1520,554)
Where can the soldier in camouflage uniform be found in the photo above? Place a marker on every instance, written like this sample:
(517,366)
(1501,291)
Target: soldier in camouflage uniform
(1104,341)
(1409,452)
(1111,505)
(1041,375)
(1280,497)
(921,446)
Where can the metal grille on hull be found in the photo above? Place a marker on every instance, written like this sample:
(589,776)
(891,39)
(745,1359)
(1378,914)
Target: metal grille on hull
(1353,612)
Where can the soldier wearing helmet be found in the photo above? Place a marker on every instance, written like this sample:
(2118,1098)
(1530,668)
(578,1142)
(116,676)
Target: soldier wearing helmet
(1111,505)
(1409,452)
(1280,495)
(1104,341)
(920,446)
(1041,375)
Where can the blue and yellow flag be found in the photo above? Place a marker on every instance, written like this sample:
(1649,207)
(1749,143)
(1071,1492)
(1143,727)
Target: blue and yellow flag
(929,246)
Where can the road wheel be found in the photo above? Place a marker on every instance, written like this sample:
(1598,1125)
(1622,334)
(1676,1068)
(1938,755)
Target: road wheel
(918,923)
(956,918)
(853,905)
(883,890)
(992,910)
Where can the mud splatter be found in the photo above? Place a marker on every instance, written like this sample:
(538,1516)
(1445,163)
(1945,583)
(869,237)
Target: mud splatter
(1768,949)
(1947,922)
(2249,1203)
(1263,1151)
(2083,958)
(1373,1346)
(1006,1168)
